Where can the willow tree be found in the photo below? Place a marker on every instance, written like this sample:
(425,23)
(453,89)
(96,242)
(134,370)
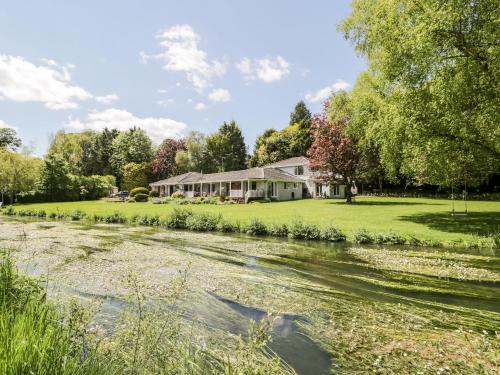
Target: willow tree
(433,82)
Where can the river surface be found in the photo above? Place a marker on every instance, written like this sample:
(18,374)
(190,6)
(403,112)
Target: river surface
(233,279)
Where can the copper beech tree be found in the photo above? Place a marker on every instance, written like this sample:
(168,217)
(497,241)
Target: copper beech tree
(333,153)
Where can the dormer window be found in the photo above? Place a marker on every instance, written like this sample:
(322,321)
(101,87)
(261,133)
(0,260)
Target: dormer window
(299,170)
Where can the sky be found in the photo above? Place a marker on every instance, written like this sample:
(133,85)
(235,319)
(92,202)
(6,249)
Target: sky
(169,67)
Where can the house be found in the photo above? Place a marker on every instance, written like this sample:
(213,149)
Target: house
(284,180)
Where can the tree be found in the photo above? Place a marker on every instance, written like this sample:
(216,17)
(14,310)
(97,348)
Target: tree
(18,173)
(164,160)
(333,153)
(434,66)
(72,148)
(9,139)
(96,157)
(227,148)
(195,156)
(301,116)
(132,146)
(135,175)
(55,180)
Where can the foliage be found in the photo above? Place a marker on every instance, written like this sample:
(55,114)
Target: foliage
(138,190)
(71,147)
(135,175)
(9,139)
(431,92)
(55,178)
(278,230)
(334,153)
(227,149)
(203,222)
(140,197)
(255,227)
(132,146)
(164,160)
(178,195)
(97,153)
(194,157)
(301,116)
(178,218)
(18,173)
(333,234)
(303,231)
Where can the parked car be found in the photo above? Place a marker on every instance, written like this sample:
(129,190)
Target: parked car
(120,194)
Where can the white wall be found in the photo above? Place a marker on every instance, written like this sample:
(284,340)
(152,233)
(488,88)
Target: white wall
(286,194)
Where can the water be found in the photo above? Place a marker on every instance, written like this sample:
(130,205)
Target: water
(235,278)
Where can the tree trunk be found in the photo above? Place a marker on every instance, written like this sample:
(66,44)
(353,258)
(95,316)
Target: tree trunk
(348,193)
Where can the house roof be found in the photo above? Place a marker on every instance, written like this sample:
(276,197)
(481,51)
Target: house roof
(258,173)
(291,162)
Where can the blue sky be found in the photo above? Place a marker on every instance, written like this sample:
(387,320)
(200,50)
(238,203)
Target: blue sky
(167,66)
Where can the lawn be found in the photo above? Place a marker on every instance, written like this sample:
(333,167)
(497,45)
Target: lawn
(419,217)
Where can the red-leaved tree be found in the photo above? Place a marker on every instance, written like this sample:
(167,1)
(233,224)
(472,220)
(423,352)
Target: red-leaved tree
(163,164)
(333,153)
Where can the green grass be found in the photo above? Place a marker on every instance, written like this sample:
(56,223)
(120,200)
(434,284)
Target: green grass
(428,219)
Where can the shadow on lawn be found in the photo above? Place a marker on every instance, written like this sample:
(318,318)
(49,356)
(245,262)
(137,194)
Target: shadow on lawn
(482,223)
(382,203)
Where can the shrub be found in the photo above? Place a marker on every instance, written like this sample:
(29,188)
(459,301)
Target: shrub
(9,210)
(278,230)
(52,215)
(333,234)
(178,195)
(303,231)
(177,218)
(131,200)
(139,197)
(362,236)
(227,227)
(154,194)
(138,190)
(41,213)
(255,228)
(203,222)
(77,215)
(147,220)
(115,218)
(390,238)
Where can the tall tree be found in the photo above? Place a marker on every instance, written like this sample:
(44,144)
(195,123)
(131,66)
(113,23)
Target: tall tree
(195,155)
(18,173)
(301,116)
(135,175)
(9,139)
(96,157)
(227,148)
(132,146)
(164,160)
(55,179)
(333,153)
(72,148)
(436,67)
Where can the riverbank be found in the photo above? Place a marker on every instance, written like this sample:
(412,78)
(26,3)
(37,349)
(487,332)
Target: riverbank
(372,309)
(414,221)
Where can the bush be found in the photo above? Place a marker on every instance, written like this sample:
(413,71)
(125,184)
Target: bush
(227,227)
(390,238)
(303,231)
(77,215)
(362,236)
(255,228)
(278,230)
(153,221)
(178,217)
(178,195)
(9,210)
(115,218)
(203,222)
(154,194)
(333,234)
(52,215)
(131,200)
(139,197)
(138,190)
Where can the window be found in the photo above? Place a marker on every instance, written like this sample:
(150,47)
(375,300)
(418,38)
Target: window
(299,170)
(336,190)
(295,185)
(253,185)
(285,185)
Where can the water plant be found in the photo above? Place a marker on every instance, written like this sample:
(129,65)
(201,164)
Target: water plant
(178,217)
(255,227)
(332,233)
(303,231)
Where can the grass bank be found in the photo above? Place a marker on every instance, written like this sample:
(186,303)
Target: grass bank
(369,220)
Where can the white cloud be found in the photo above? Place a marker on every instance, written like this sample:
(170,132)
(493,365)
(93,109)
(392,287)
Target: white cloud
(200,106)
(157,128)
(162,91)
(267,70)
(165,102)
(23,81)
(181,53)
(219,95)
(326,92)
(3,124)
(106,99)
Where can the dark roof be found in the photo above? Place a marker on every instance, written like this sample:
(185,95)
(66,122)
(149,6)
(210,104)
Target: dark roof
(291,162)
(182,178)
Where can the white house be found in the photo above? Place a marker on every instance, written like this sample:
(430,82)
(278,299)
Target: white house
(284,180)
